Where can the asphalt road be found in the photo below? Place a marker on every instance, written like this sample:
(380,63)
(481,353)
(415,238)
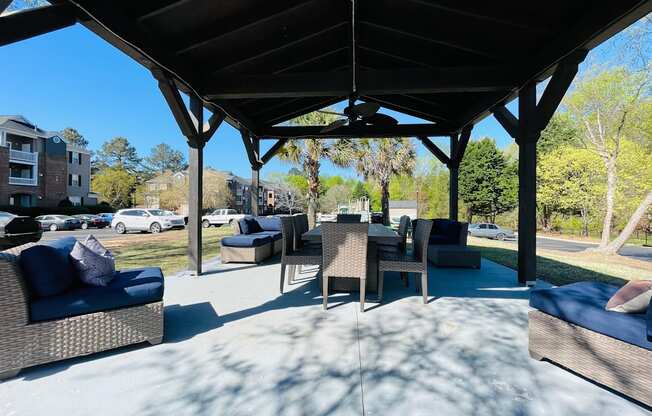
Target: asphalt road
(635,252)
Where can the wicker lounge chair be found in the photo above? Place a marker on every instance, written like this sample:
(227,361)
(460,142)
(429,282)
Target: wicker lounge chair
(25,343)
(290,256)
(345,255)
(415,262)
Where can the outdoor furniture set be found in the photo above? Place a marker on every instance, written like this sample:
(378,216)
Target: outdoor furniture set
(48,314)
(255,239)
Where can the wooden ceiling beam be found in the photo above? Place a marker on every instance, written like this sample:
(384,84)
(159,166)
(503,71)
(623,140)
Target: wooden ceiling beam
(28,23)
(316,132)
(273,150)
(378,82)
(435,150)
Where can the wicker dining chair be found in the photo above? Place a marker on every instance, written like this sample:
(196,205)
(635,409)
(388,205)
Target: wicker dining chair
(414,262)
(344,255)
(349,218)
(290,256)
(400,246)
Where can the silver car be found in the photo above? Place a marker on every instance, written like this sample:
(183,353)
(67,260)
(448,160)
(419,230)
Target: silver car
(490,231)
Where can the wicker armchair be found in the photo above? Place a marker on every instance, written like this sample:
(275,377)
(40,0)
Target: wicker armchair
(345,255)
(25,344)
(415,262)
(290,256)
(349,218)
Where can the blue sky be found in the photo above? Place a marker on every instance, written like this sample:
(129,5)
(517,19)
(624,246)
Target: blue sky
(72,78)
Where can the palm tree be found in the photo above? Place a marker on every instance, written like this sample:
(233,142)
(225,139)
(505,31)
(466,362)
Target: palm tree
(380,159)
(308,154)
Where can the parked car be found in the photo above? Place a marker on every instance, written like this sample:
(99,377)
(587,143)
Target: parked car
(106,215)
(220,217)
(58,222)
(490,231)
(94,221)
(172,213)
(16,230)
(139,219)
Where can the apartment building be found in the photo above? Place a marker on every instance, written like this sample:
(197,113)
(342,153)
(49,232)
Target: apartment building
(36,167)
(239,188)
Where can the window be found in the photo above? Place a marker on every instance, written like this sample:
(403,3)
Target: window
(76,200)
(74,179)
(79,158)
(493,227)
(69,157)
(483,226)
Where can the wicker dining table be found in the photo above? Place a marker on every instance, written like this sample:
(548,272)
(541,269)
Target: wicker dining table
(378,234)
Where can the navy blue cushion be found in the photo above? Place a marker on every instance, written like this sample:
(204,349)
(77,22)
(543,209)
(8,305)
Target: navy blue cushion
(274,235)
(47,268)
(269,223)
(649,322)
(447,228)
(128,288)
(246,240)
(439,239)
(249,225)
(583,304)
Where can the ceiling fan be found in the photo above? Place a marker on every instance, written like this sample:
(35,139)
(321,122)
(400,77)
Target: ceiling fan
(357,115)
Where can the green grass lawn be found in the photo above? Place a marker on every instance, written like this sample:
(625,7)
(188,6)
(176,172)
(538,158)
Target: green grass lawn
(561,268)
(167,250)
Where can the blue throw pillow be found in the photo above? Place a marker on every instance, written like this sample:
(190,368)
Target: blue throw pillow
(47,267)
(271,223)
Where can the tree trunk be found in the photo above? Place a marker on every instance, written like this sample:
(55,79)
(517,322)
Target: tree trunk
(624,235)
(313,191)
(469,215)
(611,195)
(545,218)
(585,222)
(384,201)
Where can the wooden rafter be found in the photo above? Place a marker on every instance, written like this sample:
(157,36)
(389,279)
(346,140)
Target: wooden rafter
(316,132)
(273,150)
(435,150)
(26,24)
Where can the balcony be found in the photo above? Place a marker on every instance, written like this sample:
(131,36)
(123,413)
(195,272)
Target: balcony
(23,181)
(18,156)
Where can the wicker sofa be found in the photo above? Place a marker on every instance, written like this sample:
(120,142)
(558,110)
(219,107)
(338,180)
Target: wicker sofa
(255,239)
(447,245)
(83,320)
(571,327)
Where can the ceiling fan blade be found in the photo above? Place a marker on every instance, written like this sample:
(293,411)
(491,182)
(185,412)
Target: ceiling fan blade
(380,119)
(362,109)
(357,124)
(335,125)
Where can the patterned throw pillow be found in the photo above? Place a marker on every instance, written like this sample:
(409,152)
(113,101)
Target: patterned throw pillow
(93,269)
(92,243)
(634,297)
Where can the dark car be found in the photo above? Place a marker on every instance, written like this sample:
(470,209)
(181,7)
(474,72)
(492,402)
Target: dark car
(16,230)
(92,221)
(58,222)
(108,216)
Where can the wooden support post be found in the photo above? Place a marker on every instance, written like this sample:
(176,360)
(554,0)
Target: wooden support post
(196,192)
(197,133)
(255,178)
(529,132)
(453,178)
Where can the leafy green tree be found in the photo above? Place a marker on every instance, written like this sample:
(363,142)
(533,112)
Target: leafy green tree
(569,179)
(119,153)
(358,191)
(308,154)
(560,131)
(488,184)
(608,107)
(115,185)
(73,137)
(163,158)
(381,159)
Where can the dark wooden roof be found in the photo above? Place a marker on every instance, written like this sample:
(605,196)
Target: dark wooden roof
(266,61)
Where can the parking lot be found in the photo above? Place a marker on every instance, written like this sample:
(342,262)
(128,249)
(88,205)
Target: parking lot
(101,234)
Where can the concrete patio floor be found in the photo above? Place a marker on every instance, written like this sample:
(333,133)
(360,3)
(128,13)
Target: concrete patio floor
(234,346)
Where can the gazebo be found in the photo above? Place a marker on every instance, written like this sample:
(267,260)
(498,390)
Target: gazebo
(257,64)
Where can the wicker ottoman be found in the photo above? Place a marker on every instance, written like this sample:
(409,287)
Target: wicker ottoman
(453,256)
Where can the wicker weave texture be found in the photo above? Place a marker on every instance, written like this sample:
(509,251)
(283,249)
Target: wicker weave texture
(24,344)
(245,254)
(345,249)
(616,364)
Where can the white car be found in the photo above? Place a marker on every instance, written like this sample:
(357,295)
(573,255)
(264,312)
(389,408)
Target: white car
(220,217)
(490,231)
(140,219)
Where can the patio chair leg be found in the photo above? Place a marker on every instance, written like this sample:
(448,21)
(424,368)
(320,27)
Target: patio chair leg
(424,287)
(324,292)
(282,276)
(155,341)
(381,282)
(363,284)
(406,281)
(535,355)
